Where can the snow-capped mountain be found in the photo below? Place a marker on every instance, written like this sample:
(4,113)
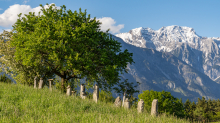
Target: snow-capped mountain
(162,38)
(159,71)
(199,52)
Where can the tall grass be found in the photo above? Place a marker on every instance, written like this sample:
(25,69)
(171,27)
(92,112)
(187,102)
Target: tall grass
(19,103)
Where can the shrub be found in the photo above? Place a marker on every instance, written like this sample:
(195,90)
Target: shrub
(5,79)
(166,102)
(106,96)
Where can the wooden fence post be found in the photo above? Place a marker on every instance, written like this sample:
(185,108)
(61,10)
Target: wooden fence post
(126,104)
(96,93)
(140,107)
(68,91)
(118,102)
(35,82)
(154,107)
(41,83)
(82,91)
(50,84)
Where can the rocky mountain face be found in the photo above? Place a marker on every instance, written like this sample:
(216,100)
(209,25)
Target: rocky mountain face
(174,59)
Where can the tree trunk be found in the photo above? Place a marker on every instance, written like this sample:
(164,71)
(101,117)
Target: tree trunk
(123,98)
(63,78)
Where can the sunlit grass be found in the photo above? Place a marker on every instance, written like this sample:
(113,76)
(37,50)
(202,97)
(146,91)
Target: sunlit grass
(20,103)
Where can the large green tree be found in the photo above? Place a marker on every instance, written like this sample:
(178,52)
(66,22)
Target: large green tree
(69,44)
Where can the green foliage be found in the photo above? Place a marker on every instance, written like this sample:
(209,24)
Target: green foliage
(205,110)
(69,45)
(74,83)
(20,73)
(5,79)
(166,102)
(106,96)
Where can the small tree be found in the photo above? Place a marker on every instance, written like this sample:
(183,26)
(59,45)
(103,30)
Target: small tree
(106,96)
(127,89)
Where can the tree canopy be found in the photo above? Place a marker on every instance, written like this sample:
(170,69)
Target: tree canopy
(70,45)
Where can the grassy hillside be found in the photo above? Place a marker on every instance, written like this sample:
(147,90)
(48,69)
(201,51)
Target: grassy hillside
(20,103)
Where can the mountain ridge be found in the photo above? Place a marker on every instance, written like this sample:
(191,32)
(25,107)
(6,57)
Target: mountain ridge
(172,38)
(191,65)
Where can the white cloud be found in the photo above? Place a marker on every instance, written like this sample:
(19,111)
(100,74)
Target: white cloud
(108,22)
(10,15)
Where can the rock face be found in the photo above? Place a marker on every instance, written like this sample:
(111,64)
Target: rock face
(169,71)
(118,102)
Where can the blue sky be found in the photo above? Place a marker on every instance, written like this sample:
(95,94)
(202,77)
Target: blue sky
(123,15)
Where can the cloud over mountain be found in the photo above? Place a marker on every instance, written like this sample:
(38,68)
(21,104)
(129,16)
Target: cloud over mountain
(108,22)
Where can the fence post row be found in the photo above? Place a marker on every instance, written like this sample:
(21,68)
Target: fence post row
(96,93)
(117,103)
(41,83)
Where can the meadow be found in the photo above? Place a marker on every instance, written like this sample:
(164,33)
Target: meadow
(20,103)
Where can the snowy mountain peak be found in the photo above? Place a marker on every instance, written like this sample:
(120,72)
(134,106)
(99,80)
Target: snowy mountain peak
(160,39)
(179,29)
(136,31)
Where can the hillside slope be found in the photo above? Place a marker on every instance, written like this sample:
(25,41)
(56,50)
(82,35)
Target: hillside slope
(20,103)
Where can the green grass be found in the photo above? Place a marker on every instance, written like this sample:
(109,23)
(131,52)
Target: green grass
(19,103)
